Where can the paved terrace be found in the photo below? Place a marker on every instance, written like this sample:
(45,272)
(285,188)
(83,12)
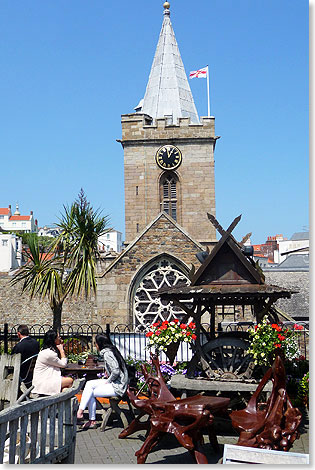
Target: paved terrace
(95,447)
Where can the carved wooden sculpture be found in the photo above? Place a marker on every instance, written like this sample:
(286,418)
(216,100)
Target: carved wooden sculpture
(186,418)
(275,426)
(157,391)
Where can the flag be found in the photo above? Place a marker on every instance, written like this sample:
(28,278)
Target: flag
(201,73)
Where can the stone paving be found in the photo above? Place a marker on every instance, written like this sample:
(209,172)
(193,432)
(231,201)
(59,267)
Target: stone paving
(95,447)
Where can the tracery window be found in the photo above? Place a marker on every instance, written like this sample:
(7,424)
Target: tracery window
(147,305)
(168,194)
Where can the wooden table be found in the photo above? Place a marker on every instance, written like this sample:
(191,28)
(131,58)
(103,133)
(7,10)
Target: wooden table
(88,372)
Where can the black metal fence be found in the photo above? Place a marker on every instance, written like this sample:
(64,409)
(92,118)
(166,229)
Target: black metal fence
(130,342)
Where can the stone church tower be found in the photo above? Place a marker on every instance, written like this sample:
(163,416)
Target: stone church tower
(168,151)
(169,188)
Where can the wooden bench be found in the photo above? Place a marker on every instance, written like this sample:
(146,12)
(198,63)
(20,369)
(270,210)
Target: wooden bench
(40,431)
(234,454)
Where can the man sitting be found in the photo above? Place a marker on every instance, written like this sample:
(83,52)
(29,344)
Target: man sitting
(28,347)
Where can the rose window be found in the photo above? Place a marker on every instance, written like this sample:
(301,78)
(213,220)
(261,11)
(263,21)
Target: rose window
(148,307)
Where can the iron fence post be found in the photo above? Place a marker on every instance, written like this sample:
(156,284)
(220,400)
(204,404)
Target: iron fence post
(6,337)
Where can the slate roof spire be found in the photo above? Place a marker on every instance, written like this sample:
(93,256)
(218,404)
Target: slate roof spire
(168,92)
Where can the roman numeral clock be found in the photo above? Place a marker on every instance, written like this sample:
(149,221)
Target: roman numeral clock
(168,157)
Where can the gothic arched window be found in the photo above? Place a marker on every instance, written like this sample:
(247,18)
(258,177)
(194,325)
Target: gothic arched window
(169,194)
(147,305)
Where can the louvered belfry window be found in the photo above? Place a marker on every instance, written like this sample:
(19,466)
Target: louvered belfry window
(169,195)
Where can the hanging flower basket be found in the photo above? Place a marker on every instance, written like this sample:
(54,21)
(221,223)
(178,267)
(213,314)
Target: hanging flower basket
(171,351)
(167,335)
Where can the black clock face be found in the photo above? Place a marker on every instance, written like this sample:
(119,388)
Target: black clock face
(168,157)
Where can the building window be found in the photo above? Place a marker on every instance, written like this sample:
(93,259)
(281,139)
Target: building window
(4,242)
(137,228)
(147,304)
(137,190)
(108,236)
(168,194)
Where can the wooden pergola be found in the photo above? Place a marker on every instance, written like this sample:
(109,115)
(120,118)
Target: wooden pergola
(227,276)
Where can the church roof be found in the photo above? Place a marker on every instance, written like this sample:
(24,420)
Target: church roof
(168,92)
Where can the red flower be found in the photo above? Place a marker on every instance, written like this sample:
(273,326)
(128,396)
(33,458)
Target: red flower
(156,324)
(183,326)
(165,322)
(256,326)
(278,345)
(194,336)
(150,333)
(298,327)
(281,338)
(176,320)
(192,325)
(188,333)
(158,332)
(163,327)
(275,326)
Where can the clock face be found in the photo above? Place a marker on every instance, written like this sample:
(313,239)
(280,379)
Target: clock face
(168,157)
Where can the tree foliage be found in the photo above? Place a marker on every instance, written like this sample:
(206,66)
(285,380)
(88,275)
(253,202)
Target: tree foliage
(68,268)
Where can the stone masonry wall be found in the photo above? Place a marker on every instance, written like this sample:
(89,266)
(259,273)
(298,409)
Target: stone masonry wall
(298,305)
(196,188)
(16,308)
(114,286)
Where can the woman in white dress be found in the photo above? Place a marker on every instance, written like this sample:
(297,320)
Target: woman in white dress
(47,379)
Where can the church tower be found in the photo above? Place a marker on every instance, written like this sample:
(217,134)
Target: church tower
(168,150)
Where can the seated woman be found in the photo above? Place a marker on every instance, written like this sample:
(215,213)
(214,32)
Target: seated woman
(114,386)
(51,359)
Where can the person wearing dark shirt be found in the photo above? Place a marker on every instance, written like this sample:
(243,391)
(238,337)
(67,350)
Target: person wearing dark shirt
(27,347)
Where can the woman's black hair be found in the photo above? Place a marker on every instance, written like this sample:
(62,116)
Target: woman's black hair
(105,342)
(49,341)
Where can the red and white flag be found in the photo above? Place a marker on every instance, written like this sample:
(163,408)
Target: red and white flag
(201,73)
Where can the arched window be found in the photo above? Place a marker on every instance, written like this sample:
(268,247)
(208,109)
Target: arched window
(147,305)
(169,194)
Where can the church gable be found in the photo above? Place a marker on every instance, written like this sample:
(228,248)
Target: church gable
(162,236)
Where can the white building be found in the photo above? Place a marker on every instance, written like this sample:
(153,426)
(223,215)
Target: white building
(17,222)
(299,241)
(110,241)
(10,252)
(48,232)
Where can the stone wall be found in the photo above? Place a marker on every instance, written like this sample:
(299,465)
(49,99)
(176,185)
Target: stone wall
(111,305)
(195,187)
(298,305)
(16,308)
(114,287)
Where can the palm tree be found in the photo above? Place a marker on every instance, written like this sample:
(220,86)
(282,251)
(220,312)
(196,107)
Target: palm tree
(69,266)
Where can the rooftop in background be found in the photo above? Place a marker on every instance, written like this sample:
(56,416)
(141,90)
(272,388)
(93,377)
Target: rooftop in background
(300,236)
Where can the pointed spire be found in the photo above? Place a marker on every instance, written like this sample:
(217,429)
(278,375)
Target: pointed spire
(168,91)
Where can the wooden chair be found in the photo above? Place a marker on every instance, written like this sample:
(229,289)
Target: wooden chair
(186,419)
(158,391)
(273,425)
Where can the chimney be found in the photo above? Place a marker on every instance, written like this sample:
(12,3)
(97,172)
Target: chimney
(31,212)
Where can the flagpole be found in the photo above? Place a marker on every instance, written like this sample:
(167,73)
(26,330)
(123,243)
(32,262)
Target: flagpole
(208,91)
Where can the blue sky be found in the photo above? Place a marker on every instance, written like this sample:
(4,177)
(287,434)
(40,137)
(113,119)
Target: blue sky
(70,68)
